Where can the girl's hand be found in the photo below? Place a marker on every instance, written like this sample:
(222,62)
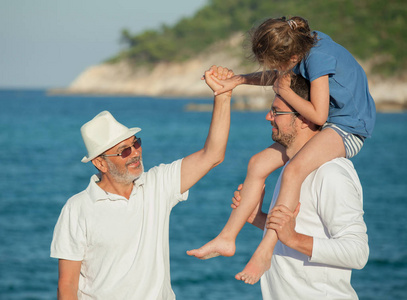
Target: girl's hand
(236,197)
(282,84)
(226,79)
(215,78)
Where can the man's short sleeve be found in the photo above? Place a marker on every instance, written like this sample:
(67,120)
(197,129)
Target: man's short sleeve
(69,239)
(166,181)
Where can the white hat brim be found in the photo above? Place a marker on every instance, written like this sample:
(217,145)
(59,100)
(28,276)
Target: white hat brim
(97,152)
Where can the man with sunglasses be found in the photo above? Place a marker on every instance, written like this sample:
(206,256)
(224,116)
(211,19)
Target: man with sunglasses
(112,238)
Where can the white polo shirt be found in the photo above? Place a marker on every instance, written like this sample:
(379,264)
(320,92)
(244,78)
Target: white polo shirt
(332,212)
(123,244)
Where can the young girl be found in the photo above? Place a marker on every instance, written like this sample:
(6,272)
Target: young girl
(340,101)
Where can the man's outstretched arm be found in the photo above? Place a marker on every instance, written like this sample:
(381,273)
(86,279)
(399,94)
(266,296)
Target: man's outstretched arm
(198,164)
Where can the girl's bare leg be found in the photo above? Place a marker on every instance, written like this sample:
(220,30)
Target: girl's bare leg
(322,148)
(260,166)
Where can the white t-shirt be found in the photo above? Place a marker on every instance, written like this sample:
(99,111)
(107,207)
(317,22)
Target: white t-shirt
(332,212)
(123,244)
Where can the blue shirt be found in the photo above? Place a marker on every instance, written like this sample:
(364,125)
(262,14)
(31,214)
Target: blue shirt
(351,107)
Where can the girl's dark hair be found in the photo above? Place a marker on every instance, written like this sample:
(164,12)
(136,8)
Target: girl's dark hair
(276,40)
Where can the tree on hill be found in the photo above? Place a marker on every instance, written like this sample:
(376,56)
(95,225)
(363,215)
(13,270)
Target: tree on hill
(369,29)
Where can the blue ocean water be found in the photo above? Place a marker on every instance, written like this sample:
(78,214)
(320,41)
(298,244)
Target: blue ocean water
(40,154)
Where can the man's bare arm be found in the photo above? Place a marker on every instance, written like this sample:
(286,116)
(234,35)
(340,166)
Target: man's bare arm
(68,281)
(198,164)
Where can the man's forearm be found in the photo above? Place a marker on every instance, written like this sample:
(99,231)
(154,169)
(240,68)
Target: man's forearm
(198,164)
(67,292)
(215,145)
(302,243)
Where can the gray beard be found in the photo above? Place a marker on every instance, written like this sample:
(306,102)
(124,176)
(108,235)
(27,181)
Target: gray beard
(123,177)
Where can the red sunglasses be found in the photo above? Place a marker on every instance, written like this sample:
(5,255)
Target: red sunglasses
(127,151)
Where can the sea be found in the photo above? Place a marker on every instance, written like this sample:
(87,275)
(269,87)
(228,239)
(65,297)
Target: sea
(40,155)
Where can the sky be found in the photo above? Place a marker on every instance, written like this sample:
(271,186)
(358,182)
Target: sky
(48,43)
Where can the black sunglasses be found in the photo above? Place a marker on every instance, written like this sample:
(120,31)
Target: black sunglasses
(127,151)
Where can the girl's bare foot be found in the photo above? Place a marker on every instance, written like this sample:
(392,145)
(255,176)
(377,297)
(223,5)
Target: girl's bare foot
(255,268)
(217,247)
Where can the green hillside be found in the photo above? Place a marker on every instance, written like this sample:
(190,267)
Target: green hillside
(369,29)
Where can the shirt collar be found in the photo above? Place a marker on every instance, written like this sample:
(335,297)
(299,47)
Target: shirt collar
(96,193)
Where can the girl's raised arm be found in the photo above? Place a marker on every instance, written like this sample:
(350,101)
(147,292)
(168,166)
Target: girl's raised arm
(258,78)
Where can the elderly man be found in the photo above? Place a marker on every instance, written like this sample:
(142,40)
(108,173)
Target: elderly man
(112,238)
(325,238)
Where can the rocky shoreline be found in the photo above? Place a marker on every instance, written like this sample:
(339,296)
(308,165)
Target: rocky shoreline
(183,80)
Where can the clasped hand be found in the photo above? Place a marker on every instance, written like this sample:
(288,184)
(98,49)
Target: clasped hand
(282,220)
(220,80)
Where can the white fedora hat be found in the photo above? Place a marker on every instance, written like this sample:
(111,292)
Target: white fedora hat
(102,133)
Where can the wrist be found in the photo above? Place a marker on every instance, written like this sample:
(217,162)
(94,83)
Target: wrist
(225,96)
(241,79)
(294,241)
(301,243)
